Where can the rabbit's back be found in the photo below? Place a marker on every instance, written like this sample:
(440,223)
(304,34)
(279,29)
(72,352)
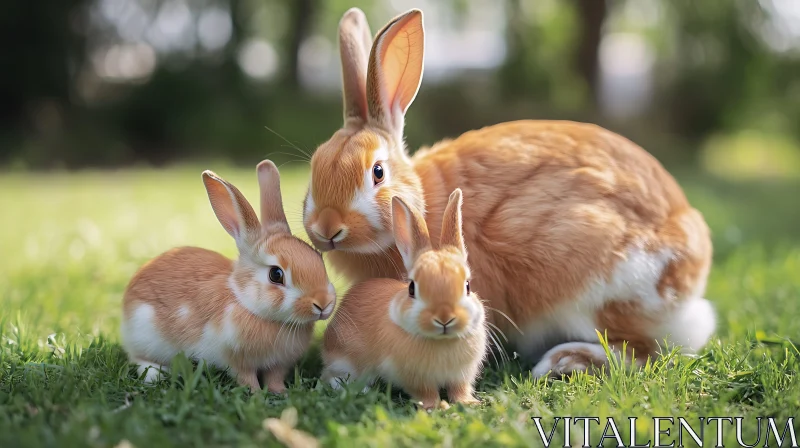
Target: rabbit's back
(563,212)
(183,276)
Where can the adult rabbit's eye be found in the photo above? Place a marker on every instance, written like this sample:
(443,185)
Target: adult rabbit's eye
(377,173)
(276,275)
(411,290)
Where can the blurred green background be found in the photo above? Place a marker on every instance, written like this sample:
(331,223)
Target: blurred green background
(117,82)
(711,88)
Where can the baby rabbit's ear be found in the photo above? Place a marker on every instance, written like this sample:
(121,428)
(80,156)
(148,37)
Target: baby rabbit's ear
(452,233)
(355,40)
(232,210)
(273,218)
(410,232)
(395,70)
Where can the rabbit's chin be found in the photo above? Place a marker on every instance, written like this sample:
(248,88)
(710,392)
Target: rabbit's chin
(434,336)
(470,330)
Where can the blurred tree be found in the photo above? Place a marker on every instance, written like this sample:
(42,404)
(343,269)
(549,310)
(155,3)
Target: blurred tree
(591,17)
(720,66)
(722,75)
(302,15)
(42,52)
(541,39)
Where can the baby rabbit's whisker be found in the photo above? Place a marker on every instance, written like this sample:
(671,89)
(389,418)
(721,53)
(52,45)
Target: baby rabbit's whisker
(491,351)
(504,315)
(496,328)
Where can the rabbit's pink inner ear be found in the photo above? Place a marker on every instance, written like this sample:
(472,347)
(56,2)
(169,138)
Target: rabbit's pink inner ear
(222,204)
(231,209)
(410,232)
(355,41)
(395,68)
(401,227)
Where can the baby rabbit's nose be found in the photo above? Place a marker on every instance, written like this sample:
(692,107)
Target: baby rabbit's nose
(324,305)
(443,323)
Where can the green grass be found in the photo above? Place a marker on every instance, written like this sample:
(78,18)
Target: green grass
(70,242)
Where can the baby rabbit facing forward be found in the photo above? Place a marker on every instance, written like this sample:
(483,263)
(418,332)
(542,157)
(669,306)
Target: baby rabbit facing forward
(255,314)
(424,334)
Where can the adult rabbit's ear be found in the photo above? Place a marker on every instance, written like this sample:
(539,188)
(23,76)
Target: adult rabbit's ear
(355,41)
(395,70)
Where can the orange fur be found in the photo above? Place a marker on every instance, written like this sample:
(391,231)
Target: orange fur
(555,206)
(437,338)
(197,278)
(228,312)
(355,41)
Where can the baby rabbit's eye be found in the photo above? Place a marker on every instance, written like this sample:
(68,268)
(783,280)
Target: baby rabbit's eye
(467,287)
(411,290)
(276,275)
(377,173)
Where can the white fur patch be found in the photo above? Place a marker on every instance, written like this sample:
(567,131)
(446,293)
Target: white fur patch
(149,349)
(262,276)
(340,371)
(290,297)
(388,370)
(364,198)
(474,310)
(569,363)
(634,278)
(216,341)
(251,295)
(364,202)
(184,312)
(141,337)
(637,277)
(248,297)
(381,154)
(152,372)
(690,325)
(269,259)
(287,278)
(310,205)
(408,320)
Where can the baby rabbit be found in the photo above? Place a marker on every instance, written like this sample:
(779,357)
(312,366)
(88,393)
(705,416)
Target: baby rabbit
(424,334)
(255,314)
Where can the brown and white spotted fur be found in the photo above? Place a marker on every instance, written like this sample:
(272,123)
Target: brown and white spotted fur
(235,314)
(571,228)
(423,335)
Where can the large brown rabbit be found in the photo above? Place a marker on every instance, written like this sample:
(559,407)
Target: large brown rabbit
(570,227)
